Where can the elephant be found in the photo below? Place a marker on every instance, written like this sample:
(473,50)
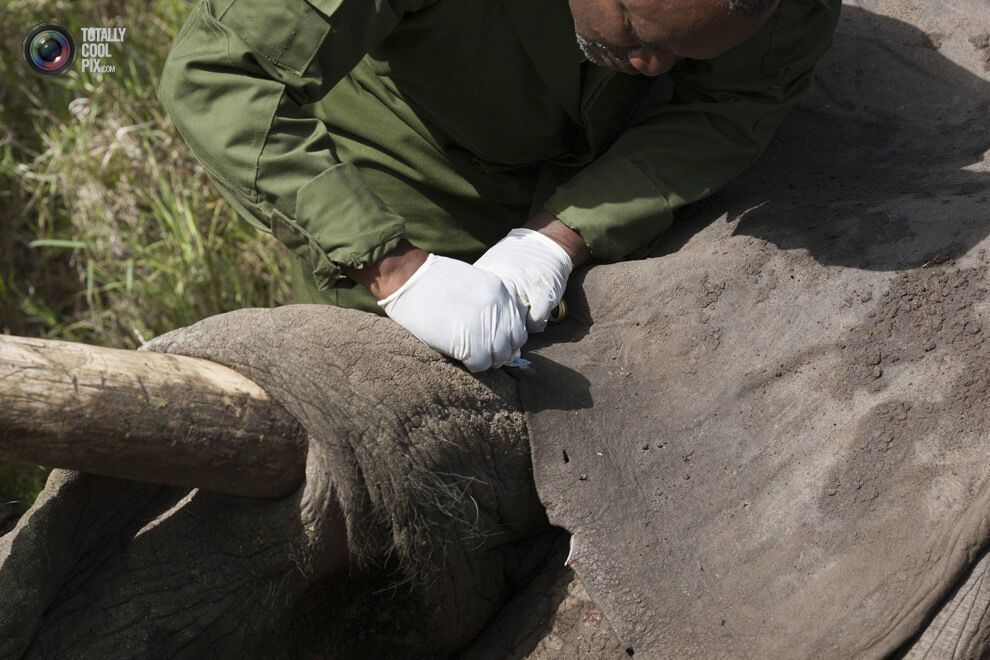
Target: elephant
(766,439)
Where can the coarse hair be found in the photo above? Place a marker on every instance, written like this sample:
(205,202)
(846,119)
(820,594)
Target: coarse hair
(750,7)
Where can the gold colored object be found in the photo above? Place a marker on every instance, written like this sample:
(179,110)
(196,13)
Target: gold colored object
(559,312)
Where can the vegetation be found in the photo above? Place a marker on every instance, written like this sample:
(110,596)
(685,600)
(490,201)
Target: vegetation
(110,232)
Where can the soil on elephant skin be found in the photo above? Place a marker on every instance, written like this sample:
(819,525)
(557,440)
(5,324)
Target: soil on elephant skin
(925,315)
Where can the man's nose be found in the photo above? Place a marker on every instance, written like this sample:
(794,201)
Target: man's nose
(651,62)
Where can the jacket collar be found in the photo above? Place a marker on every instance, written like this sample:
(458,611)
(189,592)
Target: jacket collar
(546,29)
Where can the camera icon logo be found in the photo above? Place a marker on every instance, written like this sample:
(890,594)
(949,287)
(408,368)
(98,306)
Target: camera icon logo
(49,49)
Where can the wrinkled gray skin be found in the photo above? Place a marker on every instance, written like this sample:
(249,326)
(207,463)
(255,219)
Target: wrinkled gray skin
(878,180)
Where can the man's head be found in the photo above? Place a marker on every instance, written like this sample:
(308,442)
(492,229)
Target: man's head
(650,36)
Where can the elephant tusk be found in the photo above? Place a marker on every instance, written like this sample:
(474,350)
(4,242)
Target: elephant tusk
(145,416)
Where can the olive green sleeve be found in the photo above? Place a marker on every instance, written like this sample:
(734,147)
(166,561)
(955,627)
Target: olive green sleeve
(234,82)
(720,119)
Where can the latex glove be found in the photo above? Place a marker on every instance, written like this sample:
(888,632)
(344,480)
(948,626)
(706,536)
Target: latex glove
(460,311)
(534,268)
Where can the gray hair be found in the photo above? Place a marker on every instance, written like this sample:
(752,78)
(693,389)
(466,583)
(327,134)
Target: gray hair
(749,7)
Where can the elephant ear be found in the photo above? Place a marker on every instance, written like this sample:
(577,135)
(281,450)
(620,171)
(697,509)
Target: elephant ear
(772,436)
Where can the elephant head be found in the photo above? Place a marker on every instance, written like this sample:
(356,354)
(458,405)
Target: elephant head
(416,509)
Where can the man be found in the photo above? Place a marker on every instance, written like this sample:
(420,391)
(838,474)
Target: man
(449,162)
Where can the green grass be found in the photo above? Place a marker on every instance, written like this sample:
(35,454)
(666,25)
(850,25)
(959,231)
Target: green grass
(110,233)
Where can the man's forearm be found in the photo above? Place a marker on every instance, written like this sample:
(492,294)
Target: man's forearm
(386,275)
(548,225)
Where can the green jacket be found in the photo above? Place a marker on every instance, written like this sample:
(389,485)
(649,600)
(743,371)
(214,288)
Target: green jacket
(343,126)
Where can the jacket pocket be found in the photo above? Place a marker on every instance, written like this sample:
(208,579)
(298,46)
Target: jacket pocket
(286,33)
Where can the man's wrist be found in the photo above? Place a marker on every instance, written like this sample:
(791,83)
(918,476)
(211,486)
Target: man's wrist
(549,225)
(386,275)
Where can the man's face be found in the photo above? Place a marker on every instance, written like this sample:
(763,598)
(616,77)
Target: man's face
(650,36)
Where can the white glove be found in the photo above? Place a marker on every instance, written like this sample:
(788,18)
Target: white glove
(534,268)
(460,311)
